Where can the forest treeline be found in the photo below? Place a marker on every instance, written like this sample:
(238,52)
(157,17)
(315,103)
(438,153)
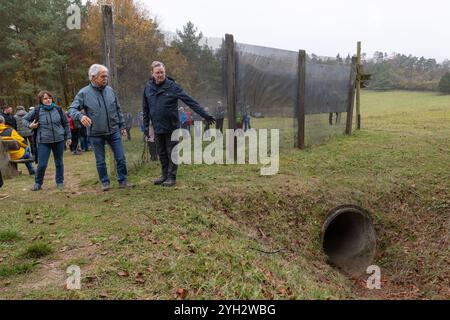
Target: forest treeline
(38,51)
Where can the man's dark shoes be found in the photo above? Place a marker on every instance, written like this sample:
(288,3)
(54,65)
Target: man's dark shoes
(160,180)
(169,182)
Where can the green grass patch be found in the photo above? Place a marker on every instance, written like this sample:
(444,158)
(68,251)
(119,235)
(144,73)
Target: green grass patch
(9,236)
(8,271)
(37,250)
(206,234)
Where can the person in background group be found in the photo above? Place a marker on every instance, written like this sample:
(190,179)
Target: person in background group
(246,119)
(8,133)
(185,119)
(34,146)
(207,125)
(152,149)
(128,124)
(23,130)
(84,140)
(140,118)
(10,121)
(220,115)
(52,133)
(75,135)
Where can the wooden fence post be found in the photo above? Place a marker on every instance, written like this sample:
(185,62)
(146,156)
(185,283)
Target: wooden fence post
(301,99)
(231,81)
(351,97)
(231,94)
(109,58)
(358,85)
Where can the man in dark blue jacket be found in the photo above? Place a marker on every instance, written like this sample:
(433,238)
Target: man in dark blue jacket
(160,105)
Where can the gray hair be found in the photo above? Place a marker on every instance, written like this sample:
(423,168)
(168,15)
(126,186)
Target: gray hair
(157,64)
(95,69)
(2,119)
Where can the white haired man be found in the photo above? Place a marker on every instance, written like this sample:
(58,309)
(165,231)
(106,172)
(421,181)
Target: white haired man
(104,121)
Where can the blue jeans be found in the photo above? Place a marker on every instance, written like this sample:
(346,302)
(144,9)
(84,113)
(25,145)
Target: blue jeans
(247,123)
(115,142)
(43,151)
(27,155)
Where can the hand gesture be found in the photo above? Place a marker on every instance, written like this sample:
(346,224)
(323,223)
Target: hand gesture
(34,124)
(86,121)
(210,120)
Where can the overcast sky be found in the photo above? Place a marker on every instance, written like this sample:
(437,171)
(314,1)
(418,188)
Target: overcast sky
(324,27)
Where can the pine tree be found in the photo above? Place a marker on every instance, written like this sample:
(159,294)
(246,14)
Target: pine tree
(444,83)
(204,64)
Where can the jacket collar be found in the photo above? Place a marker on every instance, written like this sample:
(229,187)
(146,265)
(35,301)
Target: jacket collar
(166,84)
(100,89)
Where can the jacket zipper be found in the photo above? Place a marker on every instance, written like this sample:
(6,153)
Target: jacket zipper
(51,122)
(107,114)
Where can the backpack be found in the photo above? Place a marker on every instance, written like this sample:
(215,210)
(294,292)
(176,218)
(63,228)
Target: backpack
(7,132)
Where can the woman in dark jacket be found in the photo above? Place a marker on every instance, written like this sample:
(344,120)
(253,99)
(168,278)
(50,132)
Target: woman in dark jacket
(52,131)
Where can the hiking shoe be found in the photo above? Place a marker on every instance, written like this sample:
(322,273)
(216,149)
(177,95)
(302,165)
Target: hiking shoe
(36,187)
(105,186)
(169,182)
(160,180)
(60,186)
(125,184)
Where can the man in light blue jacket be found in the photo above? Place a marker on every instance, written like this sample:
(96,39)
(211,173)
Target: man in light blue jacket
(104,121)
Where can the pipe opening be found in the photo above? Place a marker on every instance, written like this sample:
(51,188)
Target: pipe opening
(349,239)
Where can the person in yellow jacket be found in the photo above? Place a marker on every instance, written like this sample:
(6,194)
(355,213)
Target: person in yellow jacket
(8,133)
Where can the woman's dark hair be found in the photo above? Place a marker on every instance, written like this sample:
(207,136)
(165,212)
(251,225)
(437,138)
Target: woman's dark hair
(42,93)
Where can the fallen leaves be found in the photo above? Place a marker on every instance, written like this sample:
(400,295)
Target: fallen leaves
(123,274)
(139,278)
(180,293)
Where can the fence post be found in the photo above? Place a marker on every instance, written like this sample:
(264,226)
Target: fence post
(351,97)
(231,81)
(358,85)
(301,99)
(109,44)
(109,58)
(231,94)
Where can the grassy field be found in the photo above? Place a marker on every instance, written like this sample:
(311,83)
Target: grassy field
(204,239)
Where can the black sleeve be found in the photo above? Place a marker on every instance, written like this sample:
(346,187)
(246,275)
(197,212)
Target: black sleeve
(194,105)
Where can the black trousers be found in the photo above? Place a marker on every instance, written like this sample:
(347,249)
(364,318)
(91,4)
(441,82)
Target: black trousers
(74,144)
(153,151)
(165,146)
(219,124)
